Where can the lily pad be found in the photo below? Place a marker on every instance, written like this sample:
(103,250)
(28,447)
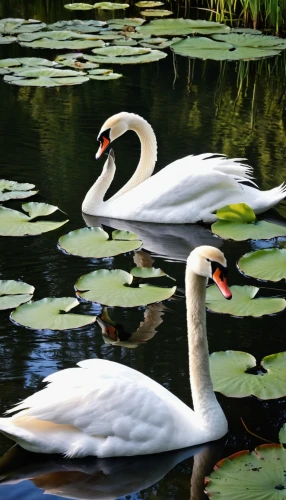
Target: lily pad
(246,475)
(47,43)
(148,272)
(51,314)
(236,212)
(157,43)
(107,76)
(110,6)
(60,35)
(181,27)
(148,4)
(13,293)
(74,62)
(228,373)
(125,42)
(15,190)
(112,288)
(250,40)
(13,26)
(14,223)
(156,12)
(25,61)
(282,434)
(118,55)
(78,6)
(268,264)
(205,48)
(243,303)
(93,242)
(7,39)
(238,231)
(45,77)
(134,21)
(90,26)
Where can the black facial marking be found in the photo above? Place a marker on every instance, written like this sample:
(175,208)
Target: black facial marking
(223,270)
(105,134)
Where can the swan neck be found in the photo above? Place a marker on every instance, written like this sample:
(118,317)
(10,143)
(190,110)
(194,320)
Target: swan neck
(148,156)
(94,197)
(204,399)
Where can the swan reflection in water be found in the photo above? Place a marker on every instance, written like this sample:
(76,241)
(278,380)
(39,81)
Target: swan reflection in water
(115,333)
(174,242)
(100,479)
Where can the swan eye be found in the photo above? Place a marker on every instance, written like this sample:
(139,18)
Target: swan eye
(208,260)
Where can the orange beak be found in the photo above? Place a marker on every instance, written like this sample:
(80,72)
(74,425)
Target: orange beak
(220,281)
(104,143)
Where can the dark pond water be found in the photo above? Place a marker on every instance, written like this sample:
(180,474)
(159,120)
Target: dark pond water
(48,137)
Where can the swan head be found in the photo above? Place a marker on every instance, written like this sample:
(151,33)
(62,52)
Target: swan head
(210,262)
(113,128)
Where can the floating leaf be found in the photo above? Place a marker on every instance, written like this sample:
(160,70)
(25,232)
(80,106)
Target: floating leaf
(126,42)
(113,288)
(13,293)
(93,242)
(72,62)
(148,4)
(158,43)
(107,76)
(134,21)
(15,190)
(246,475)
(252,40)
(110,6)
(243,302)
(60,35)
(236,212)
(14,223)
(78,6)
(282,434)
(46,77)
(238,231)
(181,27)
(205,48)
(114,55)
(147,272)
(46,43)
(246,30)
(7,39)
(25,61)
(90,26)
(156,12)
(268,264)
(228,373)
(11,25)
(50,314)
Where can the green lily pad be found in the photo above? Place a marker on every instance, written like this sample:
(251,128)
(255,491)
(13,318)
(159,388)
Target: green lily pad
(246,475)
(268,264)
(228,373)
(45,77)
(60,35)
(13,293)
(246,30)
(90,26)
(106,76)
(148,4)
(158,43)
(7,39)
(47,43)
(51,314)
(236,212)
(73,62)
(110,6)
(179,27)
(250,40)
(25,61)
(134,21)
(9,24)
(112,288)
(238,231)
(78,6)
(156,12)
(13,26)
(118,55)
(282,434)
(15,190)
(14,223)
(148,272)
(205,48)
(93,242)
(125,42)
(243,303)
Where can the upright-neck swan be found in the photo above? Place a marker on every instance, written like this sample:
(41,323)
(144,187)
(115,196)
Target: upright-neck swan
(106,409)
(186,191)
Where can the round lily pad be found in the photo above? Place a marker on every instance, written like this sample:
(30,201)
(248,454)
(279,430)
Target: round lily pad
(45,77)
(112,288)
(78,6)
(90,26)
(93,242)
(107,76)
(246,475)
(127,55)
(59,35)
(50,314)
(110,6)
(156,12)
(243,302)
(239,231)
(13,293)
(7,39)
(251,40)
(268,264)
(236,212)
(47,43)
(25,61)
(148,272)
(228,373)
(14,223)
(149,4)
(133,21)
(181,27)
(15,190)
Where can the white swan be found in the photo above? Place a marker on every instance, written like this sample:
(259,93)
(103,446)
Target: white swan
(186,191)
(106,409)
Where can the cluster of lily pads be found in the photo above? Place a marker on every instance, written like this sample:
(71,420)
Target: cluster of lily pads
(121,41)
